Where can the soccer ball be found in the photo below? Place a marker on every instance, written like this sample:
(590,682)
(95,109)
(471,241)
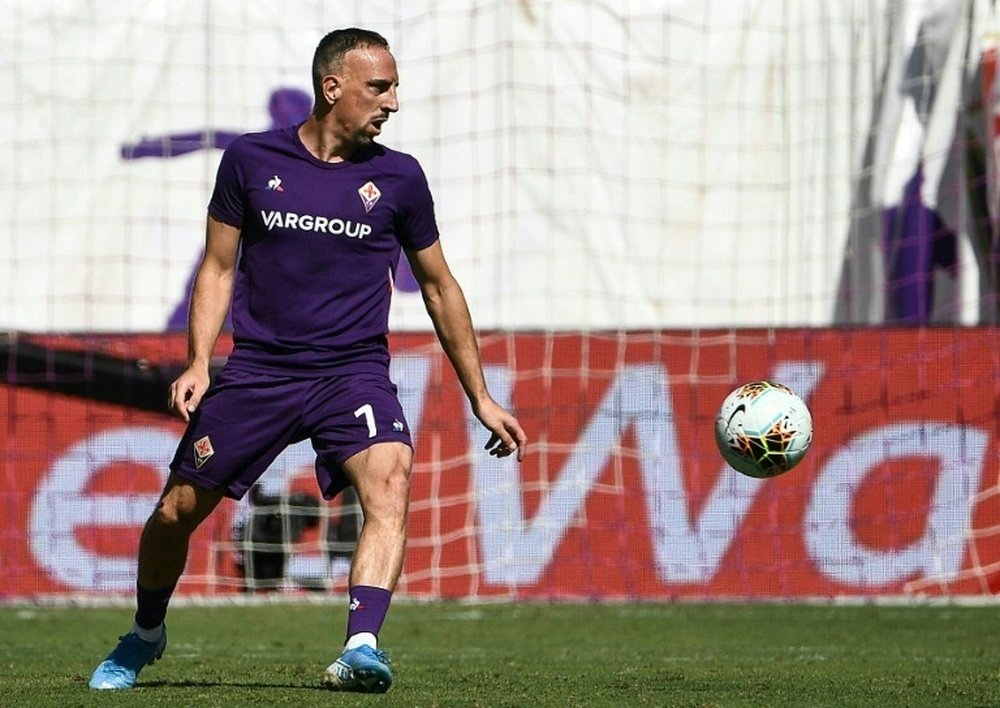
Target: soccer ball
(763,429)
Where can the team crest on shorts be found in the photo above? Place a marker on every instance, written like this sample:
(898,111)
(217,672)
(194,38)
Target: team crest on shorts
(202,451)
(369,195)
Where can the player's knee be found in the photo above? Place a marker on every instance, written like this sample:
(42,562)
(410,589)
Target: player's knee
(394,490)
(175,513)
(165,517)
(381,476)
(168,516)
(387,499)
(398,487)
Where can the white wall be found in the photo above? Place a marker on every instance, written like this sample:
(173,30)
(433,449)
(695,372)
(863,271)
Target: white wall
(666,164)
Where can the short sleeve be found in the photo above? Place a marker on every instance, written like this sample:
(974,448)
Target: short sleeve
(416,226)
(227,203)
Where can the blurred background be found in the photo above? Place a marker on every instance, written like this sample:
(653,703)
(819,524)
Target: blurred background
(646,202)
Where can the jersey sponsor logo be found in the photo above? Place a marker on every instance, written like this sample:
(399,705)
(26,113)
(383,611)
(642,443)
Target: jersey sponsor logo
(202,451)
(274,184)
(318,224)
(369,194)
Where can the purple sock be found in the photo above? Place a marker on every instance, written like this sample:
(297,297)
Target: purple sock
(151,605)
(369,606)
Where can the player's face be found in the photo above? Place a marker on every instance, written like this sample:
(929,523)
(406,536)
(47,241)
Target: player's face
(367,93)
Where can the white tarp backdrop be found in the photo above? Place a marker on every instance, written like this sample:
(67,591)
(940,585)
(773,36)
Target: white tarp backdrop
(595,165)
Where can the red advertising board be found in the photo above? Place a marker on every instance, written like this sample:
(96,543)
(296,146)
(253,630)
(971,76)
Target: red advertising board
(622,495)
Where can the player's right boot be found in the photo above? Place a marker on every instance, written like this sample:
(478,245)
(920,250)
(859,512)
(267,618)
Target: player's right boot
(363,670)
(123,665)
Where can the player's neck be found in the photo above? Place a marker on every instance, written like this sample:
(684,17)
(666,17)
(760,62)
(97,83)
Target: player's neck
(322,141)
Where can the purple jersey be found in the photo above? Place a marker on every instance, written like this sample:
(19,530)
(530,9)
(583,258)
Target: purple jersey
(319,246)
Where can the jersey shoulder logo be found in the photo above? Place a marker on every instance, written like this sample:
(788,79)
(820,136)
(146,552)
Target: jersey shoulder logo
(369,194)
(274,184)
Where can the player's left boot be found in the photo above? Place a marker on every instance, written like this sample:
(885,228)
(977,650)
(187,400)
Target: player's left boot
(363,670)
(123,665)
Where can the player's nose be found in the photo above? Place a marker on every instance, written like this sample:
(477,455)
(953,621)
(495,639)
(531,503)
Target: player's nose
(392,101)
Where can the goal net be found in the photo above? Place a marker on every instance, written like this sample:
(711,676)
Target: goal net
(647,204)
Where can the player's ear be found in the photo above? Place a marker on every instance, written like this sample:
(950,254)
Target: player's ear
(331,88)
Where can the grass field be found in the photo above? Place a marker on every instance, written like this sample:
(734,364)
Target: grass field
(524,655)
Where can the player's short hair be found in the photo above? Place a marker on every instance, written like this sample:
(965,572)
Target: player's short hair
(331,50)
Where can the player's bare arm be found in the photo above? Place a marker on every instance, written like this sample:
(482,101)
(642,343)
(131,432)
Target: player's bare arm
(210,296)
(448,310)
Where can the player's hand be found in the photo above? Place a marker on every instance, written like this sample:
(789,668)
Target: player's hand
(186,392)
(506,435)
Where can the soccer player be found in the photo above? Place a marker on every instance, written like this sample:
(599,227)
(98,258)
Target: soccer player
(317,214)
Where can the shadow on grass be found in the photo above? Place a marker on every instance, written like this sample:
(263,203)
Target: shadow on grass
(187,683)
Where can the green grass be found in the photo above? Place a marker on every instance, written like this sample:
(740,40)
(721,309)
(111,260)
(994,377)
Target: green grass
(524,655)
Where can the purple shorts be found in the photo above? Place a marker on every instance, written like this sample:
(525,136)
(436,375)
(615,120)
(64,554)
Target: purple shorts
(246,420)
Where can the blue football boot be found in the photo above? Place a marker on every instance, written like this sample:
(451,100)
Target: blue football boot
(123,665)
(363,670)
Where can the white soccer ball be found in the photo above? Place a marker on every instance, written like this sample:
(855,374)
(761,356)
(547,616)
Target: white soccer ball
(763,429)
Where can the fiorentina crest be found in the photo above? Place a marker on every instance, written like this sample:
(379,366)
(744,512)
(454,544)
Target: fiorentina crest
(202,451)
(369,195)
